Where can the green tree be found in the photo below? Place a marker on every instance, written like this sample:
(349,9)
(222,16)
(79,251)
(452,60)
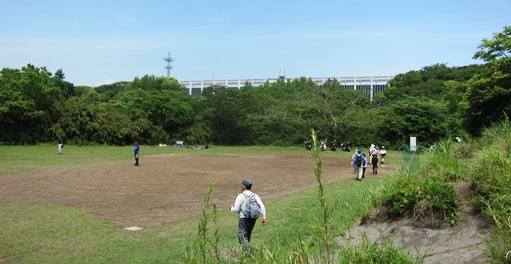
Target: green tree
(170,110)
(426,119)
(489,93)
(28,98)
(225,111)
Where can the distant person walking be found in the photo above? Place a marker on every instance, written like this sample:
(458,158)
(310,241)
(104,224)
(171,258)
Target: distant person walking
(136,153)
(374,159)
(249,206)
(371,151)
(364,166)
(359,161)
(353,164)
(60,145)
(383,154)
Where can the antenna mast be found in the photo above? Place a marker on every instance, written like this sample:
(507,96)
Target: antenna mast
(168,67)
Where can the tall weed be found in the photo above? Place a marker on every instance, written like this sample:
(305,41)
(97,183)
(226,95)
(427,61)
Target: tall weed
(204,249)
(321,194)
(491,179)
(443,163)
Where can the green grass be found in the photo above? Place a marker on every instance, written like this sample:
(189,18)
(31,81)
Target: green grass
(20,159)
(58,234)
(491,177)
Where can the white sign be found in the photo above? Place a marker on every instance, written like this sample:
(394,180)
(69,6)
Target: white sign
(413,143)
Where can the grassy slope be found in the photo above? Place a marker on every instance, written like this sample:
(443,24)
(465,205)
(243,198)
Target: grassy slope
(53,234)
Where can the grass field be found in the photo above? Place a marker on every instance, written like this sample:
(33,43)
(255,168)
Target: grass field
(19,159)
(58,234)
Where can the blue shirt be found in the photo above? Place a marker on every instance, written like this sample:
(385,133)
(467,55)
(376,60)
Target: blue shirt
(137,149)
(364,160)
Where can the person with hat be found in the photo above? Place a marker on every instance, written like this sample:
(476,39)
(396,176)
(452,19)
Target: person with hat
(359,160)
(383,154)
(246,223)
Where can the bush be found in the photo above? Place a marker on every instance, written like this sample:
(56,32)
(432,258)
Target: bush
(427,200)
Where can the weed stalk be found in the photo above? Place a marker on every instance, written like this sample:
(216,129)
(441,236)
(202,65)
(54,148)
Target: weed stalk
(321,193)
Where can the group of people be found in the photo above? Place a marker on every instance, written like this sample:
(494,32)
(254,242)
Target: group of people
(345,146)
(360,162)
(247,200)
(246,221)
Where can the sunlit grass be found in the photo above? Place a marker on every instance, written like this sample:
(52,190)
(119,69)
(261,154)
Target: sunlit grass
(58,234)
(20,159)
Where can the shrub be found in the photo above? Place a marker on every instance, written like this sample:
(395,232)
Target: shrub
(428,200)
(437,201)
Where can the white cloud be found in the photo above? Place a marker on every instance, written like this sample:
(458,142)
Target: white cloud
(107,81)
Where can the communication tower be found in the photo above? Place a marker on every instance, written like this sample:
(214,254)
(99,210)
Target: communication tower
(168,67)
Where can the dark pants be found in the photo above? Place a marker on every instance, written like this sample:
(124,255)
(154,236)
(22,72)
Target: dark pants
(136,160)
(245,227)
(375,164)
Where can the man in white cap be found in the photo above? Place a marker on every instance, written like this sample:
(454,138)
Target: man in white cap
(244,202)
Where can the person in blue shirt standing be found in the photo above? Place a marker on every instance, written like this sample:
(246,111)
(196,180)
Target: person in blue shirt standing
(136,151)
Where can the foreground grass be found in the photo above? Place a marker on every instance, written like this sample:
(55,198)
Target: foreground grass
(55,234)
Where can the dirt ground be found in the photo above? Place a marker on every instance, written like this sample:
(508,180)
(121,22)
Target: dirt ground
(166,188)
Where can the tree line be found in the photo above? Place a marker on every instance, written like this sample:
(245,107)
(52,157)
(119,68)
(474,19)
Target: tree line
(432,103)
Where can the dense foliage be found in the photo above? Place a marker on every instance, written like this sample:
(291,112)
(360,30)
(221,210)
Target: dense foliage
(432,103)
(491,177)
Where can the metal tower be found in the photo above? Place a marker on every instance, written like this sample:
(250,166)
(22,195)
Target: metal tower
(168,67)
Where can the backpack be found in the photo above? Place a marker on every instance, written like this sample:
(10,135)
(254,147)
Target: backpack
(252,208)
(359,160)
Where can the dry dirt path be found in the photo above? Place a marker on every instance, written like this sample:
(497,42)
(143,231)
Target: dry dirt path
(166,187)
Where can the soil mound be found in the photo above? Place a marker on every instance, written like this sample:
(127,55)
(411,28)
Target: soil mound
(461,243)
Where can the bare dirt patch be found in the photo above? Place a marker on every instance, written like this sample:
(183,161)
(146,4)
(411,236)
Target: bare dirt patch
(166,188)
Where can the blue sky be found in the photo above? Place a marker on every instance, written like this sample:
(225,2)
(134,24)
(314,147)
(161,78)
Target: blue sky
(99,41)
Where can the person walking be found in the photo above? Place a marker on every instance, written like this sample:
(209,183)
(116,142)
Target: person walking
(364,166)
(60,145)
(359,161)
(374,159)
(136,152)
(244,201)
(371,151)
(383,154)
(353,164)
